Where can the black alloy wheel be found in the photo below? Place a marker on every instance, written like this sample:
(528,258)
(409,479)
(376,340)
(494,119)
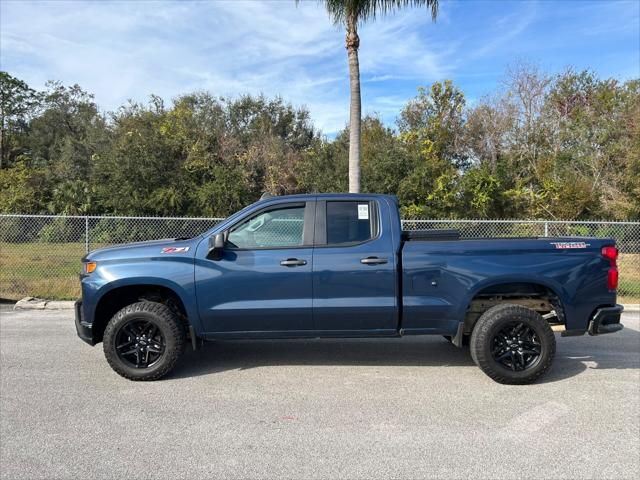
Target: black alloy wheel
(140,343)
(144,340)
(516,346)
(512,344)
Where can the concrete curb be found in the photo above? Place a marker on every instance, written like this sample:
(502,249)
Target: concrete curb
(32,303)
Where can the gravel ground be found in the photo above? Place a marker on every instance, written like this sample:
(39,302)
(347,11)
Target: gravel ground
(411,408)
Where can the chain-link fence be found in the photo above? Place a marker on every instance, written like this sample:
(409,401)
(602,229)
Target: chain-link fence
(40,254)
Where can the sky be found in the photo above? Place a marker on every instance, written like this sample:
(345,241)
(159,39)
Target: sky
(131,49)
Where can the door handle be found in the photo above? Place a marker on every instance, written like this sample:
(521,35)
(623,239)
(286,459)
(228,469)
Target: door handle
(293,262)
(373,261)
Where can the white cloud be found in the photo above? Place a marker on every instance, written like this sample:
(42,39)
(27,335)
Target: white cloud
(401,44)
(128,50)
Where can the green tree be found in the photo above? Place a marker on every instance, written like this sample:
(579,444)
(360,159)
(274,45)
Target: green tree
(22,189)
(629,120)
(324,166)
(431,131)
(562,146)
(66,137)
(350,14)
(480,190)
(203,155)
(140,172)
(18,103)
(384,161)
(67,132)
(593,145)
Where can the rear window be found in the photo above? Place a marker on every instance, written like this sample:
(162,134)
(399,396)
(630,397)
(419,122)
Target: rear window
(349,222)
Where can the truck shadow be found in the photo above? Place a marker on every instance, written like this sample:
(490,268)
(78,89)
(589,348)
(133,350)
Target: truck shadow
(574,355)
(618,351)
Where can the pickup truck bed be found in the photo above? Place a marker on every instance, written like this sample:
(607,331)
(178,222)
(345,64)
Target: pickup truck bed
(430,235)
(440,278)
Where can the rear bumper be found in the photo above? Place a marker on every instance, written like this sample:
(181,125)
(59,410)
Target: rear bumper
(82,328)
(606,320)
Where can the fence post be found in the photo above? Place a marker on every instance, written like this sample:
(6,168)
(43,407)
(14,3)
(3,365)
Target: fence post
(86,234)
(546,229)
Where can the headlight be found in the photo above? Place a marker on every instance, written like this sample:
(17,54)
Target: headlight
(90,267)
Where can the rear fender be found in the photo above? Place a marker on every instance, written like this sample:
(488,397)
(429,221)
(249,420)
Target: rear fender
(555,287)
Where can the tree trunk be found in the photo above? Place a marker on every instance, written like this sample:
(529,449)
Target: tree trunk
(353,42)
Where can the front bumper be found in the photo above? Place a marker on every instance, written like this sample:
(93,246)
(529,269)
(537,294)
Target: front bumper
(84,329)
(606,320)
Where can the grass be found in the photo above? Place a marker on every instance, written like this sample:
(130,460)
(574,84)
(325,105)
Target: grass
(629,284)
(45,270)
(50,270)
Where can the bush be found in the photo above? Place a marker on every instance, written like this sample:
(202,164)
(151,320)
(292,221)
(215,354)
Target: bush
(115,230)
(63,230)
(123,230)
(21,229)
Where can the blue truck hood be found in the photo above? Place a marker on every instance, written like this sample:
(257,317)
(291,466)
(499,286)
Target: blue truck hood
(150,249)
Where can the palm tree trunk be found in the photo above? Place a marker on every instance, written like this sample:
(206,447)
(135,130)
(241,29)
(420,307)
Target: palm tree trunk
(353,42)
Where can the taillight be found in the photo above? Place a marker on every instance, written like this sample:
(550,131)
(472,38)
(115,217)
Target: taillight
(611,253)
(612,278)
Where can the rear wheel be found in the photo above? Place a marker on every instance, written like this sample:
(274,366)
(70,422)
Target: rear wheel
(143,341)
(513,344)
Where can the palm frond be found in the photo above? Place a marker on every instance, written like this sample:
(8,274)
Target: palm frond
(372,8)
(365,10)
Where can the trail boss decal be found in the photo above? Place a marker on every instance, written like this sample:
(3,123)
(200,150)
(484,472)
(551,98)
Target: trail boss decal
(175,249)
(563,245)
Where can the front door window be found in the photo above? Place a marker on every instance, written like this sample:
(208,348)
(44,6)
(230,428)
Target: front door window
(279,228)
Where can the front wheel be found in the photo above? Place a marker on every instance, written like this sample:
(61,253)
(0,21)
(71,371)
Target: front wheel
(513,344)
(143,341)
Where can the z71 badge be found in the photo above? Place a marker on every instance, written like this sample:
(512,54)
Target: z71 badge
(175,249)
(563,245)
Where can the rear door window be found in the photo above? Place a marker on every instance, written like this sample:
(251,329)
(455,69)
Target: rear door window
(349,222)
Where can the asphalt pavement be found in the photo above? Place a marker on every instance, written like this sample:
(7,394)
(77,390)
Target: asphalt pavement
(402,408)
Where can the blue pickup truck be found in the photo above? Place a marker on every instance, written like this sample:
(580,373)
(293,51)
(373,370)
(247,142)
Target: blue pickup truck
(339,265)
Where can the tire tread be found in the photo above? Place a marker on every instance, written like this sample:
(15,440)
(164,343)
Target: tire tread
(480,336)
(162,314)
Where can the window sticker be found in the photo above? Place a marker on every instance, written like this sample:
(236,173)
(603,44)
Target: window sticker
(363,212)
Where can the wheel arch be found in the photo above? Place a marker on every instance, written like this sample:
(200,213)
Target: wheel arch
(519,291)
(119,296)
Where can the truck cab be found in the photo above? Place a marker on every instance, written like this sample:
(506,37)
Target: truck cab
(316,266)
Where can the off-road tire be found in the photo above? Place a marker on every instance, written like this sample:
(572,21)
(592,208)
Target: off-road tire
(170,327)
(490,323)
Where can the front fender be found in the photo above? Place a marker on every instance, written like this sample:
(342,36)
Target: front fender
(175,274)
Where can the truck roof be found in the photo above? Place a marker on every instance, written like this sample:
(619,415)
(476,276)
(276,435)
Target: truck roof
(355,196)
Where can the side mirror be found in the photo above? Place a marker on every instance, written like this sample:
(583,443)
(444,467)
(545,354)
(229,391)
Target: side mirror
(216,246)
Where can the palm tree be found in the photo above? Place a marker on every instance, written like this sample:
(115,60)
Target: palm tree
(350,13)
